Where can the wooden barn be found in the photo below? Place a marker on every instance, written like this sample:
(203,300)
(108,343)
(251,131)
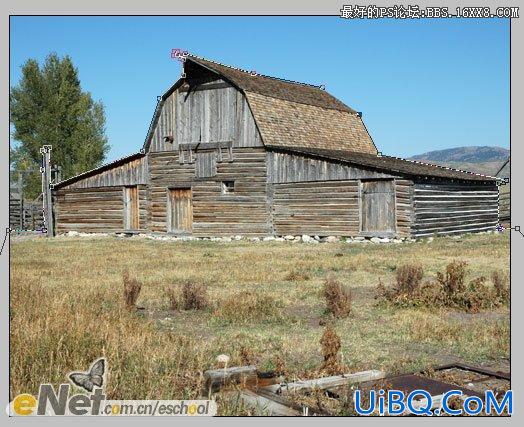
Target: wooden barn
(231,152)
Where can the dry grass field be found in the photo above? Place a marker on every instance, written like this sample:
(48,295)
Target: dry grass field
(265,306)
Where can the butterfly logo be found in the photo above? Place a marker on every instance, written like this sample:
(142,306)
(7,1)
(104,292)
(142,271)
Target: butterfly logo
(93,377)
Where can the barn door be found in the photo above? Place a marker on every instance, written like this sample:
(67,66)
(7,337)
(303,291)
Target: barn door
(378,207)
(131,208)
(180,210)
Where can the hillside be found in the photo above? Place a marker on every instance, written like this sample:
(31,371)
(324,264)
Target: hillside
(485,160)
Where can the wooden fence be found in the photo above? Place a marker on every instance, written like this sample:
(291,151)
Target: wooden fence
(25,215)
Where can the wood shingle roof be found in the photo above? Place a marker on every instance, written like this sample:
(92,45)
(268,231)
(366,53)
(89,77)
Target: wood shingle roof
(290,114)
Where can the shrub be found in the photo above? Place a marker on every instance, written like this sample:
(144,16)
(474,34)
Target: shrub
(338,298)
(131,290)
(449,290)
(409,278)
(501,285)
(194,296)
(248,307)
(476,297)
(454,277)
(330,343)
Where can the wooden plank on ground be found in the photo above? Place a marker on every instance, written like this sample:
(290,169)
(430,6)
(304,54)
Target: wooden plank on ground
(216,378)
(327,382)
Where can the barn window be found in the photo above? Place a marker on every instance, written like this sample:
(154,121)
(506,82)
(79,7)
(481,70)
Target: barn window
(228,187)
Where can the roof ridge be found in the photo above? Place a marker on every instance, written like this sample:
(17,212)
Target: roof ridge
(257,74)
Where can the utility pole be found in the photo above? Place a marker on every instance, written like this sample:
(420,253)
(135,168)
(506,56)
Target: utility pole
(46,189)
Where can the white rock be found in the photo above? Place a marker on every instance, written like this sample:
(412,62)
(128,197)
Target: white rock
(429,240)
(331,239)
(238,237)
(375,240)
(223,360)
(359,238)
(289,237)
(226,239)
(397,241)
(316,242)
(73,233)
(316,238)
(279,239)
(255,239)
(385,240)
(306,238)
(268,238)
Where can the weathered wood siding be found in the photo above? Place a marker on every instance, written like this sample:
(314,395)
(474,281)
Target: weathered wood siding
(245,211)
(212,112)
(285,167)
(404,206)
(454,208)
(133,172)
(95,210)
(316,208)
(505,203)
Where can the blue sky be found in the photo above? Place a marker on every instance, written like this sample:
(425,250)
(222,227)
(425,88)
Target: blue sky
(421,84)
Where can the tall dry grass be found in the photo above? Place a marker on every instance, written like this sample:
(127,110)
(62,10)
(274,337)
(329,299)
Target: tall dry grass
(52,334)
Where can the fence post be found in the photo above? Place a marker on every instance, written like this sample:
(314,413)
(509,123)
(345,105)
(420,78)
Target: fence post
(46,190)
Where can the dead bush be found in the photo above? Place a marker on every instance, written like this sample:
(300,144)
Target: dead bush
(449,290)
(476,297)
(131,290)
(194,296)
(454,277)
(500,282)
(249,307)
(188,295)
(409,278)
(247,356)
(330,343)
(338,298)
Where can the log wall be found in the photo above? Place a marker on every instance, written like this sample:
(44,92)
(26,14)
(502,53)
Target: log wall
(95,210)
(454,208)
(316,208)
(505,204)
(245,211)
(404,206)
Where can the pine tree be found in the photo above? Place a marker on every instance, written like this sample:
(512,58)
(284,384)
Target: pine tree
(48,107)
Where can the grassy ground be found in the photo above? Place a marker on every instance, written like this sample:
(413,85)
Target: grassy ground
(67,310)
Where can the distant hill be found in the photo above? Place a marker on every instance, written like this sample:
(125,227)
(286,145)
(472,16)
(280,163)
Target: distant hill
(484,160)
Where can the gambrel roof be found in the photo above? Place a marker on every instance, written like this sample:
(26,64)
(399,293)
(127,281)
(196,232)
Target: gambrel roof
(290,114)
(287,113)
